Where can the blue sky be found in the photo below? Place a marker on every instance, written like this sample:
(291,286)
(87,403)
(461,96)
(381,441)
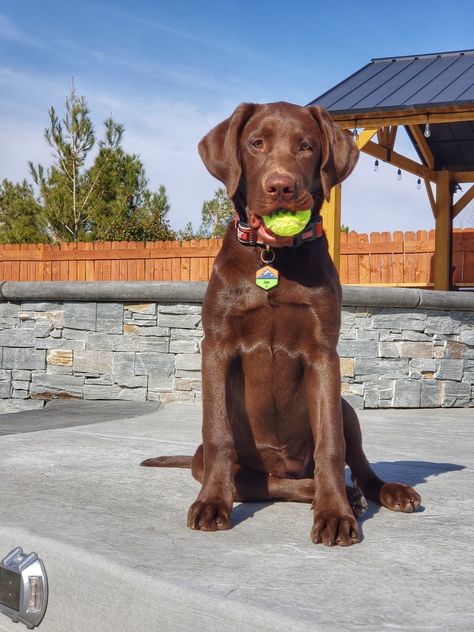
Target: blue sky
(169,71)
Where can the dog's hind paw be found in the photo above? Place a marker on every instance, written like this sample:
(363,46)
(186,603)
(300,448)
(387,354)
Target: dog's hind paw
(356,500)
(399,497)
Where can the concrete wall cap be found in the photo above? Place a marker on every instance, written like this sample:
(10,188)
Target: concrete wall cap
(194,291)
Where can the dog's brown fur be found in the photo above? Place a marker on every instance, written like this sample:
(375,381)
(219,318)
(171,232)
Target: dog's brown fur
(274,424)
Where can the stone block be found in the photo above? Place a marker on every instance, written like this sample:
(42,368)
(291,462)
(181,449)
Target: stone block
(56,333)
(93,361)
(185,346)
(54,316)
(378,394)
(455,394)
(407,394)
(467,336)
(18,405)
(59,357)
(5,389)
(415,349)
(20,375)
(455,350)
(158,366)
(74,334)
(81,316)
(415,336)
(59,343)
(347,367)
(179,334)
(179,308)
(124,343)
(21,337)
(441,324)
(21,385)
(102,380)
(54,386)
(392,318)
(450,370)
(422,368)
(357,348)
(181,321)
(41,306)
(388,349)
(110,317)
(384,368)
(160,332)
(153,343)
(23,358)
(187,384)
(352,388)
(99,341)
(430,393)
(42,329)
(367,334)
(188,361)
(131,329)
(114,392)
(141,308)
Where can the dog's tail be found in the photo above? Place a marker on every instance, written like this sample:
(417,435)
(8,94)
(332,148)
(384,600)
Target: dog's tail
(169,461)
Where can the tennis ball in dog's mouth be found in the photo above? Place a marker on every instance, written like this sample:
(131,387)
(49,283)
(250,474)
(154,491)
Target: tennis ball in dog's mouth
(287,223)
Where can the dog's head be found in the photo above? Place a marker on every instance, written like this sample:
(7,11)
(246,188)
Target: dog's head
(278,156)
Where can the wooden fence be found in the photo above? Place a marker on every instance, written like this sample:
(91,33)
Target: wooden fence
(403,259)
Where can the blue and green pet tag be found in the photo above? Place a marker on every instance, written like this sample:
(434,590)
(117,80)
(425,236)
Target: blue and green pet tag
(267,277)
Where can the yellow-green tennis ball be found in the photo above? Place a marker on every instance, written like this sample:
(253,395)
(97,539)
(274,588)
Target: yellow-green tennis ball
(286,223)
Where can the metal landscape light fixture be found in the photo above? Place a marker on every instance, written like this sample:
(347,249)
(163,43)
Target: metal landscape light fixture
(23,587)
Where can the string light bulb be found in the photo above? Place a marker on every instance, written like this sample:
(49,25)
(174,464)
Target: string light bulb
(418,184)
(376,165)
(355,135)
(427,132)
(399,174)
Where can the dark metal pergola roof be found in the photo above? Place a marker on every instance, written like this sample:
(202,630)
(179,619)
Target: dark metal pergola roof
(421,84)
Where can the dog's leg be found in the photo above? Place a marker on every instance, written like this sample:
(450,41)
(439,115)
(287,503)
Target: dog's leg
(334,522)
(395,496)
(212,508)
(256,486)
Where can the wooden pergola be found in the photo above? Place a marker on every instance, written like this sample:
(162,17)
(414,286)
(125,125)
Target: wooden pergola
(432,96)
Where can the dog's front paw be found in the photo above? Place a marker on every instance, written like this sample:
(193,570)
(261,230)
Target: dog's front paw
(399,497)
(335,529)
(209,516)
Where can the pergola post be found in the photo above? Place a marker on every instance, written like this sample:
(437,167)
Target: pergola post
(331,214)
(443,228)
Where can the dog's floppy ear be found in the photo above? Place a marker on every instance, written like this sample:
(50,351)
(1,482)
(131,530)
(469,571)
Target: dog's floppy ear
(339,153)
(219,149)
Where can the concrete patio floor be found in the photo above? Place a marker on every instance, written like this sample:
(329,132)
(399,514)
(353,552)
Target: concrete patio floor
(119,557)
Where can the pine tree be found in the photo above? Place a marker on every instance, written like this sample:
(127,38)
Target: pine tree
(20,214)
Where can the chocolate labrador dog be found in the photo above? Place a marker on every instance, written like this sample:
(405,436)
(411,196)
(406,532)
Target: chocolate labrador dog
(274,423)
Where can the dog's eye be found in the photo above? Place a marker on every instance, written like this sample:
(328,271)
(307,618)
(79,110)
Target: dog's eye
(257,143)
(305,147)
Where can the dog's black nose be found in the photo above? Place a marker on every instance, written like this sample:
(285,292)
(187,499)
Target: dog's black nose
(280,186)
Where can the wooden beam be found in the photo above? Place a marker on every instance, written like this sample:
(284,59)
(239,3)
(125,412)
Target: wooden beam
(402,117)
(365,136)
(431,197)
(442,259)
(463,201)
(463,176)
(392,136)
(331,214)
(398,160)
(422,145)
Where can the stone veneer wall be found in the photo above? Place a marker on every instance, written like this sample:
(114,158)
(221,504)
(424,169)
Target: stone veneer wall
(138,341)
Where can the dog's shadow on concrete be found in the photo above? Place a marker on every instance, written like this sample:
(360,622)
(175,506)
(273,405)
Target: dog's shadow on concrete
(411,473)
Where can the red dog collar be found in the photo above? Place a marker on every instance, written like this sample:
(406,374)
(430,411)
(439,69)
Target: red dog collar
(249,237)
